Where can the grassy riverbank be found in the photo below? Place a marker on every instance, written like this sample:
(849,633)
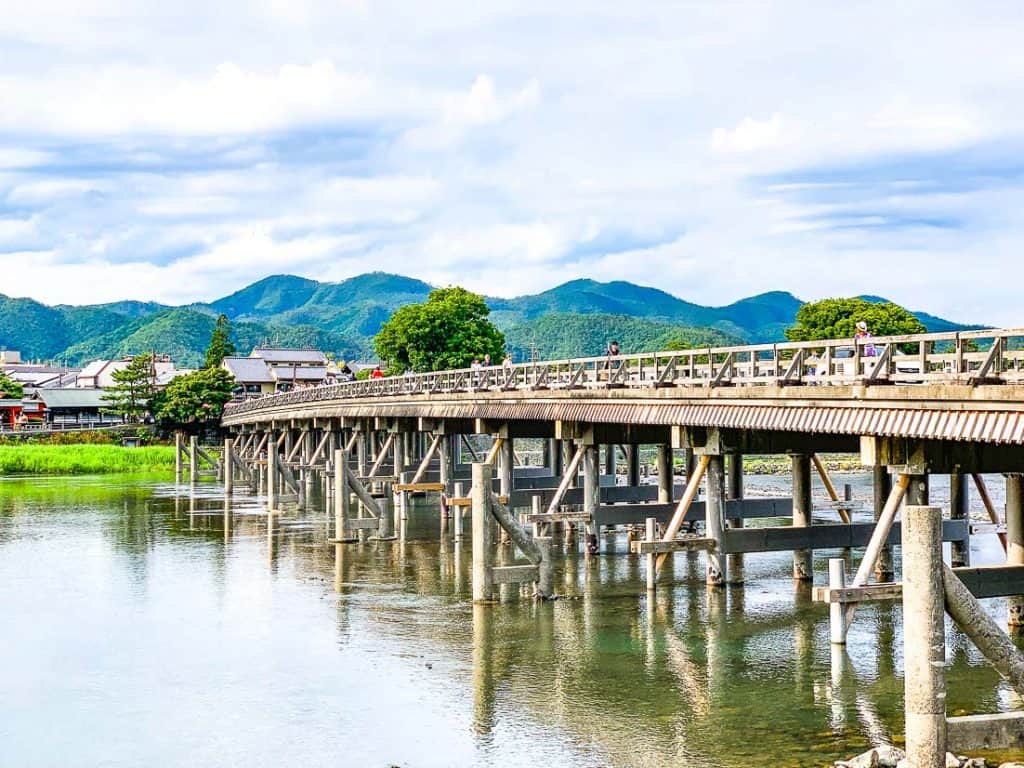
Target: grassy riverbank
(83,459)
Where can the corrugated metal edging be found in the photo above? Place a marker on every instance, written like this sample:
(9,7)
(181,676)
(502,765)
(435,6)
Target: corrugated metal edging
(975,426)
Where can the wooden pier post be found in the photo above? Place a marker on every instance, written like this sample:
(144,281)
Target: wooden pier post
(924,641)
(457,512)
(882,484)
(341,494)
(836,610)
(1015,543)
(651,534)
(959,505)
(666,483)
(591,494)
(193,459)
(483,534)
(734,490)
(714,510)
(229,467)
(179,449)
(802,558)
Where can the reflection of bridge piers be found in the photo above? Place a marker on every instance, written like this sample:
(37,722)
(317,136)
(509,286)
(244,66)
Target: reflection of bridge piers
(957,410)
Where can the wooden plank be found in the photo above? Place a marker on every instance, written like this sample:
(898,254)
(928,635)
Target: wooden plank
(400,487)
(515,574)
(975,733)
(788,538)
(858,594)
(746,509)
(459,501)
(559,517)
(676,545)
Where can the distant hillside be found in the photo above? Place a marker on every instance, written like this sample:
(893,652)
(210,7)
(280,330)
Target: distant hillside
(576,318)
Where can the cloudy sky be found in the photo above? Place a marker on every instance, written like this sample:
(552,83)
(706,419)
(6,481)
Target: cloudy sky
(178,151)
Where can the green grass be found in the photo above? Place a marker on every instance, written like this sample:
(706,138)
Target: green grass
(83,459)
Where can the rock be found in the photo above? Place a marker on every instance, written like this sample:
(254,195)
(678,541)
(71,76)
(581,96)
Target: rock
(866,760)
(1014,764)
(952,761)
(975,762)
(889,756)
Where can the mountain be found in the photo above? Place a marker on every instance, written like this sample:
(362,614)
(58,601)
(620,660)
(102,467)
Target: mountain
(572,319)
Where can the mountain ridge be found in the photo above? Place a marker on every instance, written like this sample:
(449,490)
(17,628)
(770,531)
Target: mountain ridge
(569,319)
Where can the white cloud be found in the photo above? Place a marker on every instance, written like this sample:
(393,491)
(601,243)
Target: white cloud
(752,135)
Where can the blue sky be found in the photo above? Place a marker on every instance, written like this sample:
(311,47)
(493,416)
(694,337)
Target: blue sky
(714,150)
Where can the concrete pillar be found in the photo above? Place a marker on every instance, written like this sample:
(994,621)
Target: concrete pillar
(609,459)
(271,472)
(362,453)
(457,512)
(651,534)
(665,479)
(229,468)
(959,506)
(717,568)
(837,611)
(557,463)
(689,462)
(178,449)
(924,643)
(1015,543)
(734,490)
(632,465)
(387,524)
(917,491)
(193,459)
(591,493)
(483,534)
(506,461)
(802,558)
(568,449)
(445,453)
(403,499)
(341,495)
(884,568)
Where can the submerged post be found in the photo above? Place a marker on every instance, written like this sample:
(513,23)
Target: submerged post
(836,610)
(483,534)
(959,504)
(924,641)
(802,558)
(665,480)
(457,512)
(714,511)
(652,568)
(178,450)
(193,459)
(341,495)
(882,482)
(734,490)
(1015,543)
(229,467)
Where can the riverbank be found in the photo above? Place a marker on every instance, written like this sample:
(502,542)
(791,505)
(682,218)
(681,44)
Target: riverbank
(83,459)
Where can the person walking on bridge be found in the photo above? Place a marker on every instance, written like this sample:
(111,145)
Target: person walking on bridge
(861,336)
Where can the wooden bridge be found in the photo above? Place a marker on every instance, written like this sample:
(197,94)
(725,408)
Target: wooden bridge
(910,406)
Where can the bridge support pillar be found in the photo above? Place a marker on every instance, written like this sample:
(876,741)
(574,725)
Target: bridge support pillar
(959,505)
(271,472)
(555,457)
(734,490)
(506,462)
(179,449)
(457,513)
(882,481)
(193,459)
(632,465)
(1015,543)
(665,479)
(229,467)
(591,493)
(924,644)
(341,493)
(483,534)
(609,459)
(363,446)
(802,558)
(714,510)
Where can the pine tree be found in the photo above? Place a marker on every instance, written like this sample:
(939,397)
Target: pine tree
(133,390)
(220,343)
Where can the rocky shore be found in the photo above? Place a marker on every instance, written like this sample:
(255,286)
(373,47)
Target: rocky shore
(894,757)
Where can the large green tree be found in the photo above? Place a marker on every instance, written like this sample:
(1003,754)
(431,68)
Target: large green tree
(133,390)
(447,331)
(9,388)
(221,345)
(196,397)
(838,318)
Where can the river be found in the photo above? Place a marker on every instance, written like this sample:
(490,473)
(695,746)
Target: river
(150,624)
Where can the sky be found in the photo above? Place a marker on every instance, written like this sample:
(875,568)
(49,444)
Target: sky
(179,151)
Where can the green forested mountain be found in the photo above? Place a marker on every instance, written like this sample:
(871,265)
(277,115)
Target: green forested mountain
(576,318)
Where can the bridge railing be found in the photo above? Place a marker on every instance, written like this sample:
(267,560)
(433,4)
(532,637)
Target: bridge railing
(965,357)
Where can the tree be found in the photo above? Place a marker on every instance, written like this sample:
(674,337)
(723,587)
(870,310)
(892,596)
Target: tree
(220,343)
(196,397)
(9,388)
(133,390)
(838,318)
(447,331)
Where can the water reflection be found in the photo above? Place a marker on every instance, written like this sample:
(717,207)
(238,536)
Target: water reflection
(350,638)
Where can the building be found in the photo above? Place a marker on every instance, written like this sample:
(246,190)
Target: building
(75,407)
(268,370)
(99,374)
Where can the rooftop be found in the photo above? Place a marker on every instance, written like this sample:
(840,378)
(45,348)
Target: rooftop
(300,356)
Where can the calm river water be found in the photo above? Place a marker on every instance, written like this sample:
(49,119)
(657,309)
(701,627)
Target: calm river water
(147,624)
